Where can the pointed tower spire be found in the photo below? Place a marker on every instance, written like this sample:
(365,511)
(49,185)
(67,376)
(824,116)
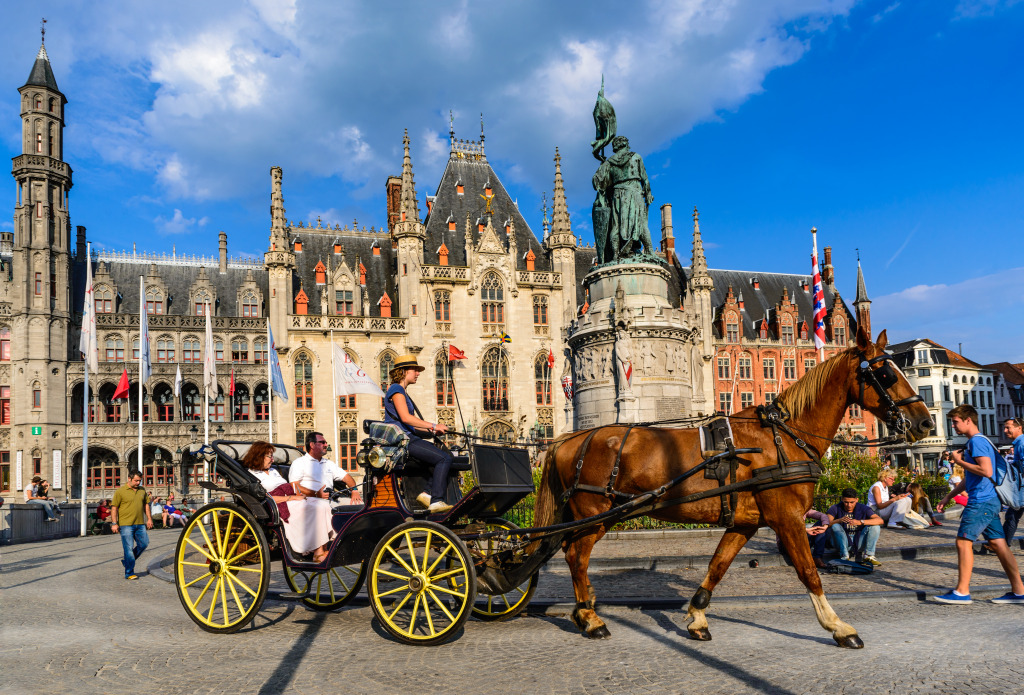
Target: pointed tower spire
(278,224)
(698,264)
(546,224)
(561,228)
(409,209)
(862,304)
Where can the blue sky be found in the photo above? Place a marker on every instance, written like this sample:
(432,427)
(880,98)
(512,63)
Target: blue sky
(892,126)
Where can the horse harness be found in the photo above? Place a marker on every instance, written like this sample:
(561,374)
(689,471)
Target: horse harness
(721,467)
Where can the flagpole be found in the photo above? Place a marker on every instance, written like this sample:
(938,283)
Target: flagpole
(142,317)
(86,401)
(270,387)
(206,411)
(817,269)
(334,382)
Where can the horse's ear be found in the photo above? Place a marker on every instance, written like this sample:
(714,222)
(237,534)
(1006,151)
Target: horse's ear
(863,339)
(882,341)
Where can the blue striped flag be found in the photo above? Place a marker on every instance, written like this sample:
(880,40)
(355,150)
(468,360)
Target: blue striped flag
(277,387)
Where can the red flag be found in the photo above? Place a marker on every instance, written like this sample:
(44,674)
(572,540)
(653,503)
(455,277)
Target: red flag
(455,353)
(551,359)
(231,388)
(122,387)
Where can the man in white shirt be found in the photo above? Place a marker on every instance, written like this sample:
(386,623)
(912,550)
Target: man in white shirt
(313,476)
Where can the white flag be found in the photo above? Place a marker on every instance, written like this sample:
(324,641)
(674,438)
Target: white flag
(145,366)
(87,344)
(349,378)
(177,383)
(209,360)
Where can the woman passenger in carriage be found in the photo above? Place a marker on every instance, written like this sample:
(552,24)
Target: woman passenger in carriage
(307,519)
(400,410)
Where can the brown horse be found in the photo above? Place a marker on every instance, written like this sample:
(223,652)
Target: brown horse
(652,457)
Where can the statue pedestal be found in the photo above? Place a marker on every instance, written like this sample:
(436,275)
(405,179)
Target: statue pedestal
(633,297)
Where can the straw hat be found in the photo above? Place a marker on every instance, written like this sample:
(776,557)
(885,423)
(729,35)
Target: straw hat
(408,361)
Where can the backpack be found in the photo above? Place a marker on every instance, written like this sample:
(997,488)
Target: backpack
(838,566)
(1008,480)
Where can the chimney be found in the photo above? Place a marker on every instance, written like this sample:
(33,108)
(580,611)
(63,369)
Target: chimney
(394,200)
(668,242)
(827,275)
(739,300)
(81,245)
(755,283)
(223,252)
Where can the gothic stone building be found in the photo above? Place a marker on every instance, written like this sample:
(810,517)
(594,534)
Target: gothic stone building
(462,272)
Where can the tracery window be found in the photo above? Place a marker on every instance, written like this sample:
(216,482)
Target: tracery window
(492,297)
(104,299)
(303,382)
(542,379)
(443,385)
(190,350)
(494,373)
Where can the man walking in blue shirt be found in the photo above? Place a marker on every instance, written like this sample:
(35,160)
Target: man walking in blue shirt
(981,515)
(1015,433)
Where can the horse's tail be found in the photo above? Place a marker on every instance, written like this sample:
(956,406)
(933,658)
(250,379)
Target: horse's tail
(546,506)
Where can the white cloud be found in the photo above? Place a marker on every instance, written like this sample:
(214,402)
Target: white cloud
(976,312)
(885,13)
(178,223)
(968,9)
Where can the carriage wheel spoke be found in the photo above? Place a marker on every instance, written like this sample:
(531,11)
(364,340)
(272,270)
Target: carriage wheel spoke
(430,590)
(224,599)
(205,589)
(213,602)
(403,578)
(430,619)
(216,534)
(242,584)
(449,573)
(341,581)
(453,592)
(234,594)
(393,591)
(415,612)
(227,535)
(253,549)
(391,616)
(194,564)
(411,545)
(206,536)
(402,562)
(239,568)
(440,557)
(201,578)
(199,549)
(426,550)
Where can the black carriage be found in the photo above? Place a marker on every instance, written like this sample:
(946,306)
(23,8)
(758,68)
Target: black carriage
(425,573)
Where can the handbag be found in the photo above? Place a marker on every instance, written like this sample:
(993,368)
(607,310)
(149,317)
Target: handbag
(916,520)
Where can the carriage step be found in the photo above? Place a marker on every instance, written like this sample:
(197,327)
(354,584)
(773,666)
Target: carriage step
(293,595)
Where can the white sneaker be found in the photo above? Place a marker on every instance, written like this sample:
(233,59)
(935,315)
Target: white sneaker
(438,507)
(424,499)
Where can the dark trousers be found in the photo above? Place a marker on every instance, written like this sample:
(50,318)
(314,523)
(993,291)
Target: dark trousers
(1010,522)
(438,459)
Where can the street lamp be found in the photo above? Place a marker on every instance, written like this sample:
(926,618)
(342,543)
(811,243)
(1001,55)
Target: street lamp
(158,456)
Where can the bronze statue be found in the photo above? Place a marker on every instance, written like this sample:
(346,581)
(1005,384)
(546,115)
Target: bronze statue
(623,193)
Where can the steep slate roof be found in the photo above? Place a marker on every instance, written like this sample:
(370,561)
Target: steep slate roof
(474,172)
(318,245)
(903,354)
(759,303)
(42,73)
(178,280)
(1011,372)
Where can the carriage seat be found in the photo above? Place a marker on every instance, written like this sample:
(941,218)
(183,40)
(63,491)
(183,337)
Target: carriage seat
(409,466)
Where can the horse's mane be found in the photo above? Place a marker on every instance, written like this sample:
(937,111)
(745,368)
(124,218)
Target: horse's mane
(802,395)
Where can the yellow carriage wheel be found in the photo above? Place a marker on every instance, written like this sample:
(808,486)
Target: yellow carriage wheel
(498,607)
(421,583)
(327,590)
(222,567)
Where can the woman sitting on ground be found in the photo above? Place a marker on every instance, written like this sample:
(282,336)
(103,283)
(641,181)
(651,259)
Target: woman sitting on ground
(921,504)
(307,519)
(891,509)
(399,409)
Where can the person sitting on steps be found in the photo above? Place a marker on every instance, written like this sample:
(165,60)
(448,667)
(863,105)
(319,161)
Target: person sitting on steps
(399,410)
(892,509)
(921,503)
(856,525)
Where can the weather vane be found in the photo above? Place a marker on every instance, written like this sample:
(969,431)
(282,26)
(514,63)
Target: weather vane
(42,29)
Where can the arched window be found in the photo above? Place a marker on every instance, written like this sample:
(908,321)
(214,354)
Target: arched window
(443,385)
(250,309)
(497,431)
(115,349)
(743,367)
(259,351)
(104,299)
(387,363)
(261,403)
(164,350)
(239,350)
(540,310)
(240,403)
(217,413)
(50,141)
(542,379)
(39,102)
(303,382)
(442,305)
(724,367)
(492,297)
(163,397)
(787,333)
(202,298)
(191,402)
(154,301)
(839,334)
(956,379)
(53,105)
(190,350)
(494,373)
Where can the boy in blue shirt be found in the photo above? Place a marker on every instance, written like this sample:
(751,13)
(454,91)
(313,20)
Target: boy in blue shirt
(981,515)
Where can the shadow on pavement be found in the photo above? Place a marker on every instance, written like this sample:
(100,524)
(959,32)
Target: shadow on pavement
(723,667)
(292,659)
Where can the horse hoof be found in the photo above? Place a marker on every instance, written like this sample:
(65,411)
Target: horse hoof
(849,642)
(701,635)
(598,633)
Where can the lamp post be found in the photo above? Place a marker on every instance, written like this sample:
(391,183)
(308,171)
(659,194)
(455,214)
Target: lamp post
(157,458)
(193,433)
(180,458)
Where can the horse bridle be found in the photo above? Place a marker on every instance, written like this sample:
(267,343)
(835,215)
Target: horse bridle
(881,379)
